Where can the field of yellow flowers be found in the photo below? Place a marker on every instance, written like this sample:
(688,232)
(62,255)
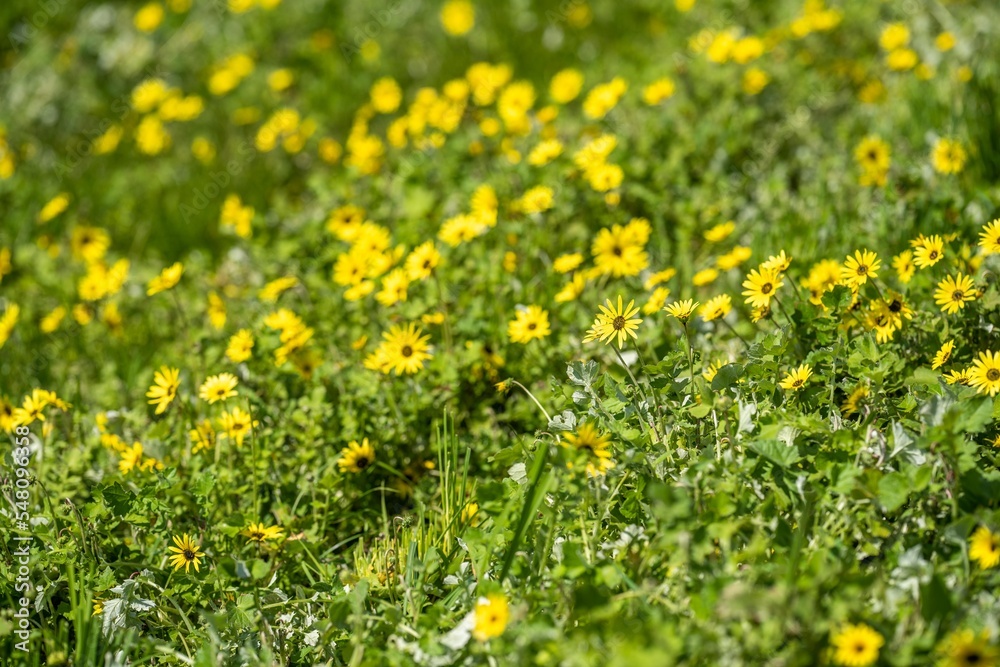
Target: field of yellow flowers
(546,332)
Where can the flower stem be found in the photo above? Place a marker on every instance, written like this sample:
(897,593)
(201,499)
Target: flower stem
(639,388)
(535,400)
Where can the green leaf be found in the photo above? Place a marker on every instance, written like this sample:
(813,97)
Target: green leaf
(118,499)
(776,452)
(582,374)
(700,411)
(726,377)
(935,600)
(893,491)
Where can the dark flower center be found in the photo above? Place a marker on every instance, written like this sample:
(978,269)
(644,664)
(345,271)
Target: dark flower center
(958,295)
(188,554)
(532,326)
(407,351)
(933,254)
(765,288)
(896,306)
(617,251)
(862,270)
(618,323)
(993,375)
(361,463)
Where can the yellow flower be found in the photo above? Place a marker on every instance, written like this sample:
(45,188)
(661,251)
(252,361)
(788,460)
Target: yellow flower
(271,291)
(53,207)
(404,349)
(989,238)
(985,373)
(604,97)
(850,406)
(356,457)
(856,645)
(902,60)
(421,262)
(658,91)
(984,548)
(469,513)
(567,263)
(659,277)
(656,300)
(237,216)
(236,424)
(458,17)
(168,277)
(720,232)
(151,137)
(894,36)
(491,617)
(572,290)
(216,311)
(964,647)
(779,263)
(529,323)
(948,156)
(131,458)
(716,307)
(859,268)
(619,252)
(953,293)
(544,152)
(258,532)
(796,379)
(280,79)
(89,243)
(943,355)
(5,266)
(166,382)
(614,322)
(596,444)
(761,286)
(872,154)
(7,322)
(755,80)
(218,387)
(957,377)
(682,310)
(747,49)
(51,321)
(186,554)
(386,95)
(394,287)
(904,266)
(928,250)
(203,436)
(944,42)
(565,86)
(734,258)
(704,277)
(149,17)
(8,415)
(536,200)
